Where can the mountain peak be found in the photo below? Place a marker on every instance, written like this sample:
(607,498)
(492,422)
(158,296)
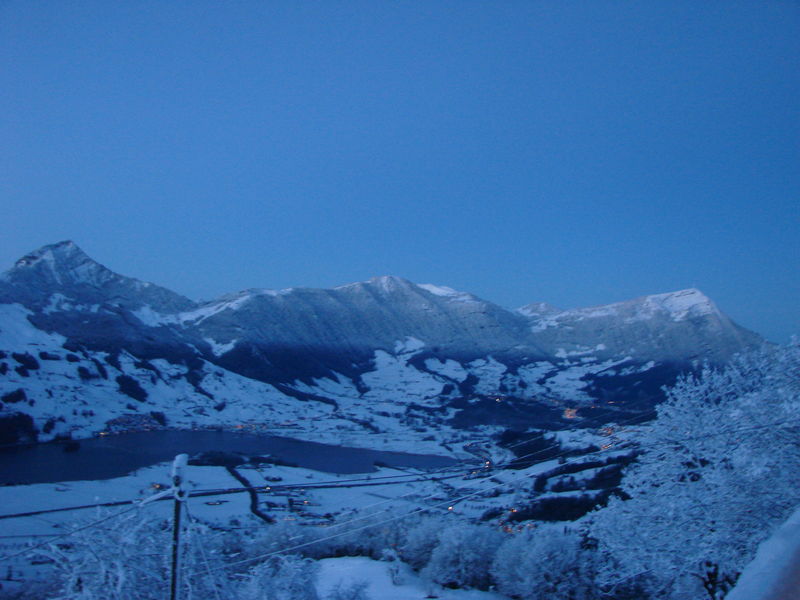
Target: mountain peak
(681,304)
(63,268)
(62,263)
(385,283)
(388,281)
(51,253)
(538,309)
(391,284)
(677,306)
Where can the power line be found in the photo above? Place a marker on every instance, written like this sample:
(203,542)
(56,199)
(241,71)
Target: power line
(29,535)
(510,463)
(315,485)
(323,485)
(451,502)
(421,509)
(45,511)
(319,485)
(225,491)
(137,504)
(431,496)
(350,531)
(69,533)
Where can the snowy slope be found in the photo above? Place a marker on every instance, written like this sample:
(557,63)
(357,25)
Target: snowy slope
(79,392)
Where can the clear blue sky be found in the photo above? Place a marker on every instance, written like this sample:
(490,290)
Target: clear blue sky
(572,152)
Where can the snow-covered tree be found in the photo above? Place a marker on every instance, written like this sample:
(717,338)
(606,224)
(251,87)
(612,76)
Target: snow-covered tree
(463,556)
(356,590)
(129,558)
(126,558)
(718,471)
(547,563)
(421,539)
(369,535)
(281,578)
(280,536)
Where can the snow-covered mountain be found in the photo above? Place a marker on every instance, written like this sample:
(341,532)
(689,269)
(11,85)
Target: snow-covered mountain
(677,326)
(61,277)
(82,346)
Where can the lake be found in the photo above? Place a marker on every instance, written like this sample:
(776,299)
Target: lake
(117,455)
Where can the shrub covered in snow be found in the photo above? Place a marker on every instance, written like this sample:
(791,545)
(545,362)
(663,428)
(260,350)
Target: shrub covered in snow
(125,560)
(422,537)
(130,559)
(368,536)
(548,563)
(357,590)
(463,556)
(281,578)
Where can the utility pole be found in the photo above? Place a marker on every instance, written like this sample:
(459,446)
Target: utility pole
(178,490)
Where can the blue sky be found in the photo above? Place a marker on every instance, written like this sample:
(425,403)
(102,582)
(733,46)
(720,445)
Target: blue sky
(571,152)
